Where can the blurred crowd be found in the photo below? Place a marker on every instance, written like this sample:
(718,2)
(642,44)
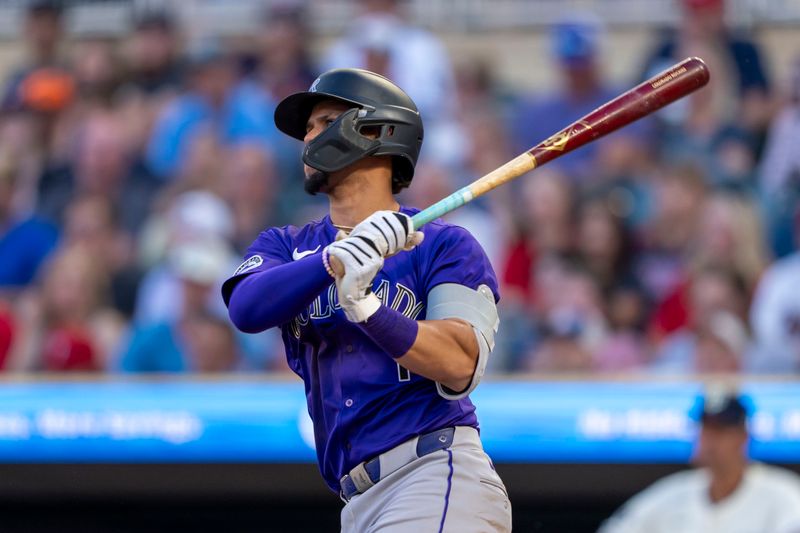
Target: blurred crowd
(136,170)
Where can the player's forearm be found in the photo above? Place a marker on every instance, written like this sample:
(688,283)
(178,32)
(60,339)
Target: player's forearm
(270,298)
(445,351)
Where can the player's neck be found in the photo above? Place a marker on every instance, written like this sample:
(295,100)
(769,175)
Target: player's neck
(724,483)
(358,196)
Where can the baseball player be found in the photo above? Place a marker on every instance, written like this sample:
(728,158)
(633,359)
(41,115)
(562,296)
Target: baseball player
(727,494)
(389,332)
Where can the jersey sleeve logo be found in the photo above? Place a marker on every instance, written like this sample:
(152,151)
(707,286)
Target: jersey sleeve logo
(249,264)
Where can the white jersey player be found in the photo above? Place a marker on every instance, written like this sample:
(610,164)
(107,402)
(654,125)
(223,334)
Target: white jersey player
(728,494)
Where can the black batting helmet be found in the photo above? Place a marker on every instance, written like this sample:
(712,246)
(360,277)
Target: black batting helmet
(377,102)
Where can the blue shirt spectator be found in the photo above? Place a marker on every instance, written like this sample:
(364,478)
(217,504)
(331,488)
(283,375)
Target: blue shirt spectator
(155,348)
(200,342)
(24,245)
(25,239)
(235,111)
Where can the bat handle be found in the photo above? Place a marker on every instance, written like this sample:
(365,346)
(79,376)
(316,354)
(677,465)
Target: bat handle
(442,207)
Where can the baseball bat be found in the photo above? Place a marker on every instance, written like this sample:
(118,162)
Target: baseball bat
(647,97)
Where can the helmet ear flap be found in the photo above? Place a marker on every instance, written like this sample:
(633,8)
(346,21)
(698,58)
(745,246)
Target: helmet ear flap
(402,173)
(340,144)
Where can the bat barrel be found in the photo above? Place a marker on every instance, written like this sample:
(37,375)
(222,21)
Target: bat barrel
(647,97)
(644,99)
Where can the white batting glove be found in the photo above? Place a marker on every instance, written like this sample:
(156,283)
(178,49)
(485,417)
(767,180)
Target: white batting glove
(391,231)
(362,261)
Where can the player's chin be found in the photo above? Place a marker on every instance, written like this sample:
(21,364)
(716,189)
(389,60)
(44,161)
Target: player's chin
(315,180)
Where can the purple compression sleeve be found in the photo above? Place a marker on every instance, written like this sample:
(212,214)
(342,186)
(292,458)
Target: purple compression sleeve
(393,331)
(270,298)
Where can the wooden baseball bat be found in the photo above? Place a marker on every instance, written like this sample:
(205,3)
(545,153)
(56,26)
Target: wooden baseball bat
(647,97)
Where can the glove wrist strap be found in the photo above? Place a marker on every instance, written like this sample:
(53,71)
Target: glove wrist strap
(359,311)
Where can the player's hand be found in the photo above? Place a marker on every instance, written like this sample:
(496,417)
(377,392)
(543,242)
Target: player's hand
(362,260)
(391,231)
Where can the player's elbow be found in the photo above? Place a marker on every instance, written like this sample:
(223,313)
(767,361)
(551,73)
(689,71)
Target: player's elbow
(459,373)
(461,362)
(244,324)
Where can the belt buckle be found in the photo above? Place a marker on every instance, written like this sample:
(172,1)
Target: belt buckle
(360,478)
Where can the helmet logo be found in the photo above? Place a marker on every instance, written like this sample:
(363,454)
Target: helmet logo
(313,87)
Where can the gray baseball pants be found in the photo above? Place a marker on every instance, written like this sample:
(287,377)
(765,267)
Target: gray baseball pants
(455,490)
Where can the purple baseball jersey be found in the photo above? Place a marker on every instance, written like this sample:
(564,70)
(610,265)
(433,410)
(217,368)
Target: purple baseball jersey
(361,401)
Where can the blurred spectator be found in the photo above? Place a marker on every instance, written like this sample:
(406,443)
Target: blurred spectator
(479,87)
(775,317)
(726,492)
(625,346)
(729,234)
(101,164)
(215,101)
(20,139)
(739,87)
(194,340)
(721,344)
(43,83)
(192,221)
(91,224)
(606,249)
(604,244)
(570,314)
(96,68)
(151,55)
(211,344)
(545,226)
(560,350)
(250,188)
(733,161)
(284,66)
(711,292)
(202,343)
(487,147)
(707,126)
(64,323)
(476,140)
(25,240)
(380,40)
(96,71)
(194,217)
(779,179)
(153,77)
(623,176)
(284,57)
(662,265)
(575,45)
(7,327)
(202,165)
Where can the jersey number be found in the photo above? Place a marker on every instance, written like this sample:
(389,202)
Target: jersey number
(403,374)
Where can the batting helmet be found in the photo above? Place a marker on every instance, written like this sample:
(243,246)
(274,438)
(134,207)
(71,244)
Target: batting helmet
(377,102)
